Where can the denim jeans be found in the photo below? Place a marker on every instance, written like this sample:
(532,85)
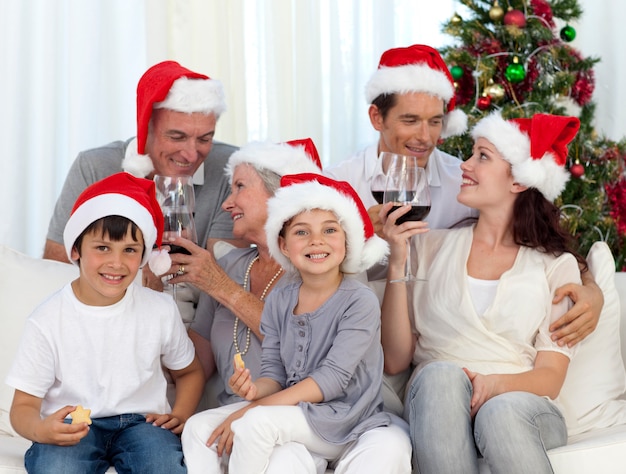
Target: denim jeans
(512,431)
(124,441)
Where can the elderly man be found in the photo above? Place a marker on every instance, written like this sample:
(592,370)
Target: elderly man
(177,111)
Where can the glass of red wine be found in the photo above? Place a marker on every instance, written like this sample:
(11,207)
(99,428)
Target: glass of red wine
(407,184)
(176,197)
(377,186)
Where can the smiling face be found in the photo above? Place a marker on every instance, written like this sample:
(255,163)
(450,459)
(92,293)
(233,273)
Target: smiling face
(487,178)
(107,267)
(247,204)
(314,242)
(411,127)
(177,142)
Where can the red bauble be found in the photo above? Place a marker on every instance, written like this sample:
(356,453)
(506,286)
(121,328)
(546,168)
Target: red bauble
(484,102)
(515,18)
(577,170)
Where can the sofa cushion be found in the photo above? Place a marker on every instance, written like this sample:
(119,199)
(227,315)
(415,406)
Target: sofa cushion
(596,377)
(24,283)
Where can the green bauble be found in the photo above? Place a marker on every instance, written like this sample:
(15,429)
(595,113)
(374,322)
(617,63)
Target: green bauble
(515,73)
(456,72)
(568,33)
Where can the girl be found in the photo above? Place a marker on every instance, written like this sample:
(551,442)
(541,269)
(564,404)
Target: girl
(321,367)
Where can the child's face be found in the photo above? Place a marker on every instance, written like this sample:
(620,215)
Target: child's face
(314,242)
(107,267)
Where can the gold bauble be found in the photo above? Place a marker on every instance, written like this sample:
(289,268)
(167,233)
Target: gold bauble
(496,13)
(495,91)
(456,19)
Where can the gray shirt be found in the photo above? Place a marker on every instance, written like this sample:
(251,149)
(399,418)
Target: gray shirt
(98,163)
(338,346)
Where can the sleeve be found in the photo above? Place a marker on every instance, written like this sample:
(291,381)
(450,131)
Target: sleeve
(204,316)
(221,225)
(178,350)
(357,335)
(271,362)
(563,270)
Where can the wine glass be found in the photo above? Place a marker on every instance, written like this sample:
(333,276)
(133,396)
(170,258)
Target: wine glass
(176,197)
(377,186)
(407,184)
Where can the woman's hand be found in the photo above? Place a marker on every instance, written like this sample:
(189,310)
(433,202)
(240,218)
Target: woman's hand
(483,387)
(397,235)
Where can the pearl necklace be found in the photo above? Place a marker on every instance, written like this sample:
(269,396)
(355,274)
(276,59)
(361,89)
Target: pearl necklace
(245,285)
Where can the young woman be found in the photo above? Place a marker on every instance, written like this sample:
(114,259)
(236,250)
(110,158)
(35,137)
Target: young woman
(476,325)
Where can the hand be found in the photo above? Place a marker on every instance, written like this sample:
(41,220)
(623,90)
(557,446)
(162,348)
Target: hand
(397,235)
(150,280)
(582,318)
(224,435)
(199,267)
(241,384)
(166,421)
(54,430)
(483,388)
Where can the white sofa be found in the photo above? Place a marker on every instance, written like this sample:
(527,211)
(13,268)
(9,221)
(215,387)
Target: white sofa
(594,388)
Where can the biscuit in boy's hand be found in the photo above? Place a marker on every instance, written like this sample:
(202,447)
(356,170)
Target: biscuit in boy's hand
(239,363)
(81,415)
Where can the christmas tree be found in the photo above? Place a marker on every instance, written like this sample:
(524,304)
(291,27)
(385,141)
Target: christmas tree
(510,55)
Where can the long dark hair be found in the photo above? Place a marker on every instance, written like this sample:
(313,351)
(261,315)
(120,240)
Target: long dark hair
(537,224)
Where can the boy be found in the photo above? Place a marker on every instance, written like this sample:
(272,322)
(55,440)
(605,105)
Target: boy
(99,342)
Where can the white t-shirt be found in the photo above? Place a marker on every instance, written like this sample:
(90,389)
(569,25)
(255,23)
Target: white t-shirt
(444,179)
(107,358)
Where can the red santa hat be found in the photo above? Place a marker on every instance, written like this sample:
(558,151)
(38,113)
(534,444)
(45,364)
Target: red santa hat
(168,85)
(294,156)
(536,147)
(121,194)
(308,191)
(418,68)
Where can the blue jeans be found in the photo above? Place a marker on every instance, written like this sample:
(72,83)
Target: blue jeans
(512,431)
(124,441)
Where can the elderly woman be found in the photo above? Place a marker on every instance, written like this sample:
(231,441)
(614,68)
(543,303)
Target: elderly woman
(228,316)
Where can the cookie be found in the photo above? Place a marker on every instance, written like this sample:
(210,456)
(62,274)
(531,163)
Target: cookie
(239,363)
(81,415)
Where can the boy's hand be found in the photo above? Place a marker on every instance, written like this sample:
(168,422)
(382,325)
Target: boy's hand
(167,421)
(54,430)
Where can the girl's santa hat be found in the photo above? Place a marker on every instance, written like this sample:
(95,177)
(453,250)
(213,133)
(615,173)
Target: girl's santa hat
(536,147)
(308,191)
(418,68)
(295,156)
(121,194)
(168,85)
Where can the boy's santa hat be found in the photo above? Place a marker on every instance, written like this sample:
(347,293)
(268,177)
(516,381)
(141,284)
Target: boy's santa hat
(536,147)
(295,156)
(308,191)
(168,85)
(418,68)
(121,194)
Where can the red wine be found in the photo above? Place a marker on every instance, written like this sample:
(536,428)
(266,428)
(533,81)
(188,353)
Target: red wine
(417,213)
(378,195)
(178,249)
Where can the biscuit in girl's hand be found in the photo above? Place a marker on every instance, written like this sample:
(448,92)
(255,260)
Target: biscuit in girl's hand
(239,363)
(81,415)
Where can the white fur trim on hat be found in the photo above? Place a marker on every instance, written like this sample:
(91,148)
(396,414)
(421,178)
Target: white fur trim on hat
(104,205)
(454,123)
(292,200)
(543,174)
(195,96)
(280,158)
(409,78)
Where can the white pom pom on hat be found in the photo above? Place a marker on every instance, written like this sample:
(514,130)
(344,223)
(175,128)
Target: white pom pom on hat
(121,194)
(535,147)
(418,68)
(308,191)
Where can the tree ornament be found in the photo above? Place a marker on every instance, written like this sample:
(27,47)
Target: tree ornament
(577,170)
(483,102)
(456,19)
(515,72)
(496,13)
(515,18)
(495,91)
(568,33)
(456,72)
